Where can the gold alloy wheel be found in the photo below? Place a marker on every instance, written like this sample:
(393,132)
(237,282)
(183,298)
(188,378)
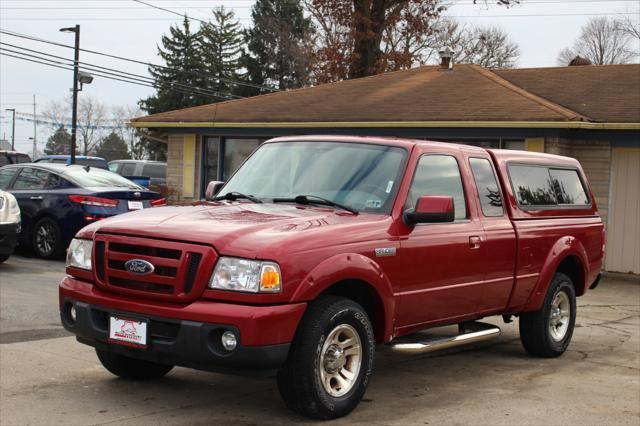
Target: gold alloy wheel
(340,360)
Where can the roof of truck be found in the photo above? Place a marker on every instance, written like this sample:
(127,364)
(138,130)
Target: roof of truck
(378,140)
(531,157)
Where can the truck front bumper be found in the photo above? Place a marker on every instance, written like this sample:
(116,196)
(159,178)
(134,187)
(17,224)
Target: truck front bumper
(185,335)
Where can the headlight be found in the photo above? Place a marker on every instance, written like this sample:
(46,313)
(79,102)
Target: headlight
(252,276)
(79,254)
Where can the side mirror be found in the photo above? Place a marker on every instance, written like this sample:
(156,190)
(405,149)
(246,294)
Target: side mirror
(430,209)
(212,189)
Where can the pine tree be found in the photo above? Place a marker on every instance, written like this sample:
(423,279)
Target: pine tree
(181,53)
(113,147)
(279,45)
(222,48)
(59,143)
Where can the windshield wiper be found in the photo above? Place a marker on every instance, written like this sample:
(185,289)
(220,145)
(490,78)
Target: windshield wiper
(232,196)
(305,199)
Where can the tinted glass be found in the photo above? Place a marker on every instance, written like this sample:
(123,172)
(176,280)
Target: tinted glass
(364,177)
(30,178)
(92,162)
(568,187)
(154,170)
(532,185)
(488,190)
(5,177)
(212,147)
(113,167)
(56,160)
(438,175)
(97,178)
(22,158)
(128,169)
(4,160)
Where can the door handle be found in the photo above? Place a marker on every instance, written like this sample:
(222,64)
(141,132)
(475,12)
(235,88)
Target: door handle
(36,197)
(474,242)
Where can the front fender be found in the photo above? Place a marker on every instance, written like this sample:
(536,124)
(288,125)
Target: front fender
(565,246)
(350,266)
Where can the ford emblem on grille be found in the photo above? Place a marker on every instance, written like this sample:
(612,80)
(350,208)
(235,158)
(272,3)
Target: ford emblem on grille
(138,267)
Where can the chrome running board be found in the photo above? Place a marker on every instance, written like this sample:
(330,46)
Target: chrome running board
(470,333)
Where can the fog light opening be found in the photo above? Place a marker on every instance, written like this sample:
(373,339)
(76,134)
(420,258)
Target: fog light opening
(72,313)
(229,340)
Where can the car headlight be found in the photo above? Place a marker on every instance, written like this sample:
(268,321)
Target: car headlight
(79,254)
(254,276)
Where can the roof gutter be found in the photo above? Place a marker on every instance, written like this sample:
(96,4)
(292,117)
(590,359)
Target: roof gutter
(397,124)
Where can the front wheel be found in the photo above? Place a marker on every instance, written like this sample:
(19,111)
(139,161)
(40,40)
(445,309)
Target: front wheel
(331,360)
(130,368)
(547,332)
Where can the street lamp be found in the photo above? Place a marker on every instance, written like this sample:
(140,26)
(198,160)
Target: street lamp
(13,128)
(74,110)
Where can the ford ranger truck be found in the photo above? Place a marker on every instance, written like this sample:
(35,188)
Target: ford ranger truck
(319,248)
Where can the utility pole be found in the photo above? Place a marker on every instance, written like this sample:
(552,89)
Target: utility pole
(35,122)
(13,128)
(74,111)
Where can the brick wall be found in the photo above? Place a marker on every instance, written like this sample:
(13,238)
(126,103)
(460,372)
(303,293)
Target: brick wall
(595,157)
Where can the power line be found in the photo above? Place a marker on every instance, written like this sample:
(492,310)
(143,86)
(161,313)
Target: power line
(53,64)
(148,64)
(91,67)
(170,11)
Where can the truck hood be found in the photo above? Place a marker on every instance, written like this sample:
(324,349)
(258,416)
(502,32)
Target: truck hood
(247,230)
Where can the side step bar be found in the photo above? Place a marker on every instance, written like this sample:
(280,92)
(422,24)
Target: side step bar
(470,333)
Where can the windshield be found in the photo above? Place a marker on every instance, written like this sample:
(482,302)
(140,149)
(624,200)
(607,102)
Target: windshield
(361,176)
(98,178)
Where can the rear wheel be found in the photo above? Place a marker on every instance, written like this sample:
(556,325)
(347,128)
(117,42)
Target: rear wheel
(4,257)
(46,239)
(130,368)
(547,332)
(331,360)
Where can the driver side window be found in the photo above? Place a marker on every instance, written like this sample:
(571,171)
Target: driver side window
(438,175)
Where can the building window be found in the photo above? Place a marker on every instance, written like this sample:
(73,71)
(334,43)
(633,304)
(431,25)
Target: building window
(235,152)
(210,163)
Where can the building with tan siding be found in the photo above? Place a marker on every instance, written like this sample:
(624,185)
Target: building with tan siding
(588,112)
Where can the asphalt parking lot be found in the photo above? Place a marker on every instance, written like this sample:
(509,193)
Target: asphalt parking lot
(47,378)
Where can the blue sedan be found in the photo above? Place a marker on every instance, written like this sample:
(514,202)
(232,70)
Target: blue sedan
(57,200)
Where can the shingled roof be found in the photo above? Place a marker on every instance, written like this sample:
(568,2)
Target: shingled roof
(468,93)
(604,93)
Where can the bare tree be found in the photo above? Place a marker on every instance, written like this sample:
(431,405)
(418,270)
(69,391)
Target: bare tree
(91,117)
(57,112)
(602,41)
(121,118)
(489,46)
(631,26)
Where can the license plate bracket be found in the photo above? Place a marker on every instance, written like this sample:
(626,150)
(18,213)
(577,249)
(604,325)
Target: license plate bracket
(128,331)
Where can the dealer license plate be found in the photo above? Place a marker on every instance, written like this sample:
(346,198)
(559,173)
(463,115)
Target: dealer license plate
(136,205)
(128,331)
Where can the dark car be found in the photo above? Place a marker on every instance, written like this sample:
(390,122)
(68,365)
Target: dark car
(56,201)
(144,172)
(81,160)
(13,157)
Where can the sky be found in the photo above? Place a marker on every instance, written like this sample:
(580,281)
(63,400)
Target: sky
(130,29)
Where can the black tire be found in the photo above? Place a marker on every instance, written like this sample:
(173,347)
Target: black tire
(299,380)
(4,257)
(536,333)
(130,368)
(46,239)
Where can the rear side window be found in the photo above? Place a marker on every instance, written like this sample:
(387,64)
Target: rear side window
(154,170)
(35,179)
(438,175)
(568,187)
(544,186)
(128,169)
(4,160)
(5,177)
(22,158)
(485,178)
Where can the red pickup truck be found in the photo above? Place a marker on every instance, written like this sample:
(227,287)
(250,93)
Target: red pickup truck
(318,248)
